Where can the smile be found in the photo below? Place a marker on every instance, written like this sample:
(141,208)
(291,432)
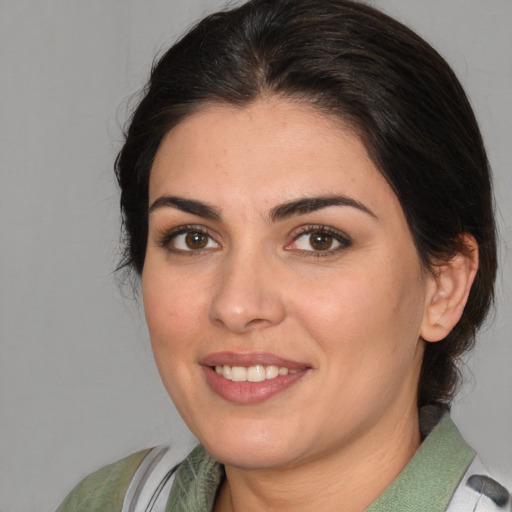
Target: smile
(251,378)
(257,373)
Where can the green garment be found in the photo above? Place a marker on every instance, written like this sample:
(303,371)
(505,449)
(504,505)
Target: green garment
(104,490)
(426,483)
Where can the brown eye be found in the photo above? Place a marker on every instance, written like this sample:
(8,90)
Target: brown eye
(320,241)
(189,240)
(196,240)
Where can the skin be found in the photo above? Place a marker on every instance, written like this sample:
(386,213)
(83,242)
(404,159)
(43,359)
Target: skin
(355,315)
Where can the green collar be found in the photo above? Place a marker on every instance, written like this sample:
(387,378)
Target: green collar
(197,481)
(431,476)
(426,483)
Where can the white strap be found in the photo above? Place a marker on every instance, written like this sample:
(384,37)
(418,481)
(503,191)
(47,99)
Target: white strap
(467,499)
(151,484)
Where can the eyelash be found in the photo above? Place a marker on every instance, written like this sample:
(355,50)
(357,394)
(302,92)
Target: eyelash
(340,237)
(165,240)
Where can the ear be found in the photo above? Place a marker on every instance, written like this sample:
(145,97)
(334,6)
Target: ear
(448,291)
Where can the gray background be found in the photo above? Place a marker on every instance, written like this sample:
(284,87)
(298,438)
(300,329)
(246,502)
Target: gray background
(78,387)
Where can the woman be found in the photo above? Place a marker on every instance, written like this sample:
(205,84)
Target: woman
(307,200)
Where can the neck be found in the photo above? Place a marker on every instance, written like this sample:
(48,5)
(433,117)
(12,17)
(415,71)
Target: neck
(347,479)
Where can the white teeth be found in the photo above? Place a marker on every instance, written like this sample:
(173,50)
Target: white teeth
(226,371)
(257,373)
(271,372)
(238,374)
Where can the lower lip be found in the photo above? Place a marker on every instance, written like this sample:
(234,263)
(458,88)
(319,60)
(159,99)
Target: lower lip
(250,392)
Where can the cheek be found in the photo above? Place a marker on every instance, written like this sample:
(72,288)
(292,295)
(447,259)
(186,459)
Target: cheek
(174,319)
(173,309)
(371,311)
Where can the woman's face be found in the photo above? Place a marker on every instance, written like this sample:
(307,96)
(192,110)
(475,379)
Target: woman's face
(280,255)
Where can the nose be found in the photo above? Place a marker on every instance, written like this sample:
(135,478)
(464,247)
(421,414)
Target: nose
(247,295)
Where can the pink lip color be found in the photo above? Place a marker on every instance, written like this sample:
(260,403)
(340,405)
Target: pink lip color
(250,359)
(249,392)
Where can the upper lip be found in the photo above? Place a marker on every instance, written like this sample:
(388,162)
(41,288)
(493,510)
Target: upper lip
(250,359)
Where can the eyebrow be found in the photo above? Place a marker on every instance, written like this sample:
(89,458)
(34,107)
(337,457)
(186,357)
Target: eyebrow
(310,204)
(192,206)
(283,211)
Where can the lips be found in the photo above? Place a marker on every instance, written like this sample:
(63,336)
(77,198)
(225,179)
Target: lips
(250,378)
(250,359)
(257,373)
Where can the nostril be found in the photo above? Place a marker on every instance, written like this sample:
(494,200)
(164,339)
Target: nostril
(257,321)
(244,301)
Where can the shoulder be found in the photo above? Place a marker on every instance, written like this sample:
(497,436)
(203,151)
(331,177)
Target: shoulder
(196,483)
(480,491)
(476,488)
(105,489)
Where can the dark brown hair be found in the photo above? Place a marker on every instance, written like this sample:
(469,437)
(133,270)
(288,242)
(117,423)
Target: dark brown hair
(350,61)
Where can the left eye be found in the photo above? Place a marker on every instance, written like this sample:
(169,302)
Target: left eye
(320,240)
(317,241)
(192,241)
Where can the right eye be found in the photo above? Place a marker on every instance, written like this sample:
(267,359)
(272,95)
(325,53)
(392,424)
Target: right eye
(188,240)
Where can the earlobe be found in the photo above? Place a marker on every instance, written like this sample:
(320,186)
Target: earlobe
(448,291)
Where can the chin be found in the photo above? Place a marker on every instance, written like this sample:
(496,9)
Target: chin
(251,449)
(250,457)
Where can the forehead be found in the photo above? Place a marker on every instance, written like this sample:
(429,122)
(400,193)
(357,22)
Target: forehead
(262,154)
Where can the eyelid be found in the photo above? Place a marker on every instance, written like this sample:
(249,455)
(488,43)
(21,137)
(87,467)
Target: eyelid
(166,236)
(342,238)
